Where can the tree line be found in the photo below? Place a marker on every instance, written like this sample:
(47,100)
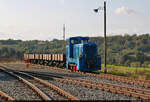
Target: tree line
(128,50)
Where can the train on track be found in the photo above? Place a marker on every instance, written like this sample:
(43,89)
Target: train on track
(81,55)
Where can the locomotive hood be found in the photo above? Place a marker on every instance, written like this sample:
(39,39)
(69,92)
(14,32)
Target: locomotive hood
(90,54)
(90,49)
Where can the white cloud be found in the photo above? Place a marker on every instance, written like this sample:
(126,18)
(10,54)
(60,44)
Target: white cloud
(125,10)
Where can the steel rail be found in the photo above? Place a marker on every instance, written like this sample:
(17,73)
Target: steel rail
(129,91)
(38,91)
(5,96)
(137,93)
(60,91)
(143,83)
(123,79)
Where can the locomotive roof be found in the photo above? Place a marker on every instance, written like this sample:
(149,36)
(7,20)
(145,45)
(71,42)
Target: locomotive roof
(79,38)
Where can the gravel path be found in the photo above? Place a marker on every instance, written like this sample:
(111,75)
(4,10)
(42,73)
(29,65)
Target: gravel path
(46,70)
(16,89)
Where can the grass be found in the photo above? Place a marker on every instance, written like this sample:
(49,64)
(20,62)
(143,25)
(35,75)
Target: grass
(138,73)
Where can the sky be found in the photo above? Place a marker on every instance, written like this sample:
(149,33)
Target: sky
(44,19)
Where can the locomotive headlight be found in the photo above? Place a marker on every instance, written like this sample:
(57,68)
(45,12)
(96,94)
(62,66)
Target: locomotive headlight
(91,64)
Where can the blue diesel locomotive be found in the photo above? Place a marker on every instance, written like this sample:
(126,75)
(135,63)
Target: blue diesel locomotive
(81,55)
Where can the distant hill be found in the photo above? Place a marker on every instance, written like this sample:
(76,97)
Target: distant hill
(121,50)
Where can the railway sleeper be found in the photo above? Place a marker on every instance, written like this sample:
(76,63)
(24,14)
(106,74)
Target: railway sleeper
(136,95)
(139,95)
(106,89)
(127,93)
(113,90)
(100,88)
(147,93)
(144,91)
(139,91)
(120,92)
(146,85)
(145,97)
(56,88)
(88,86)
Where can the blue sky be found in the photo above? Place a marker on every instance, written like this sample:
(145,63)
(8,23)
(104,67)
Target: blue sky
(44,19)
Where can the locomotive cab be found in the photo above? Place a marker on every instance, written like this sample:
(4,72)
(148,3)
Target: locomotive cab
(82,55)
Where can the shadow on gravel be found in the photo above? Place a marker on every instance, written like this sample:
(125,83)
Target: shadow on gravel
(59,75)
(6,77)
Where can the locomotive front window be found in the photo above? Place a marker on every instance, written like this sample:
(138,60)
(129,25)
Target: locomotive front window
(74,42)
(84,41)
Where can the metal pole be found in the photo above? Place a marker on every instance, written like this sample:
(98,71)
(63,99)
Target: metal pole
(64,31)
(105,45)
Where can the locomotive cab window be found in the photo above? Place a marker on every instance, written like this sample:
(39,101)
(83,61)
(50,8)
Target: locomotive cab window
(74,42)
(84,41)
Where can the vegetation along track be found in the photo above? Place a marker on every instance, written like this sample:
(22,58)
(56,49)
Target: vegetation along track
(129,91)
(51,90)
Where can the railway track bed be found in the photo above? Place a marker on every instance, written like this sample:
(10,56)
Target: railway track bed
(106,78)
(86,93)
(4,97)
(53,95)
(117,89)
(87,76)
(16,89)
(45,90)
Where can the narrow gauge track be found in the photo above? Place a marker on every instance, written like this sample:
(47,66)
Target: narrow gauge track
(142,83)
(33,87)
(5,97)
(137,93)
(15,87)
(51,90)
(129,91)
(85,93)
(64,73)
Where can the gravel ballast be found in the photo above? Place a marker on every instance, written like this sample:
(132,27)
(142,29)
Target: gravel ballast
(79,91)
(16,89)
(49,70)
(53,95)
(84,93)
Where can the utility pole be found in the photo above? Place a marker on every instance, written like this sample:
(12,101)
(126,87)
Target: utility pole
(105,44)
(64,31)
